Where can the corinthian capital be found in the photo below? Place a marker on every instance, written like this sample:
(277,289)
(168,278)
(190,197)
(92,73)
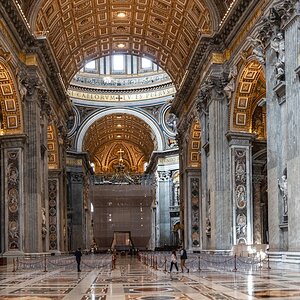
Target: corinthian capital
(271,24)
(211,89)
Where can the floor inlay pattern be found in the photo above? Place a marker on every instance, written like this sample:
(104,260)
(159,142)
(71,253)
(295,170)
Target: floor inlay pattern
(131,280)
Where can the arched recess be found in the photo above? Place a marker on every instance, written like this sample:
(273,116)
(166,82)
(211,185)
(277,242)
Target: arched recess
(10,106)
(135,112)
(194,146)
(248,115)
(251,89)
(52,144)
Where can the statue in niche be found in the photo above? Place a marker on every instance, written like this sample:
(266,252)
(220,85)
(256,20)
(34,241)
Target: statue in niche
(208,227)
(282,184)
(44,228)
(171,122)
(230,87)
(278,46)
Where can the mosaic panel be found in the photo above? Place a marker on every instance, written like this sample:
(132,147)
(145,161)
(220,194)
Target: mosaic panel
(240,182)
(195,212)
(52,190)
(13,198)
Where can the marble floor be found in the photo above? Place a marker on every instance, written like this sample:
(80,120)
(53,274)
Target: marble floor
(131,280)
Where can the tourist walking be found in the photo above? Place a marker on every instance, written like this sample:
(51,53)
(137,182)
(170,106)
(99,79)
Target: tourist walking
(183,258)
(173,261)
(78,255)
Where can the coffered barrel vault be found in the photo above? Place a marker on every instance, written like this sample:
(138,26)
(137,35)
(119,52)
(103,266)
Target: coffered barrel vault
(165,31)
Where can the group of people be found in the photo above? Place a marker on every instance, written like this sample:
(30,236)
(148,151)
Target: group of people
(183,258)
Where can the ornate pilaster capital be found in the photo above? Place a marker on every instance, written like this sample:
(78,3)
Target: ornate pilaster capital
(31,84)
(164,175)
(77,177)
(279,14)
(211,89)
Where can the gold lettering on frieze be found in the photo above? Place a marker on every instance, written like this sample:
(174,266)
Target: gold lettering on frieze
(168,160)
(127,97)
(74,162)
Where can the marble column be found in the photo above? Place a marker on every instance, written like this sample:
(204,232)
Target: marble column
(164,193)
(280,33)
(205,224)
(12,191)
(241,187)
(257,209)
(292,77)
(36,181)
(193,211)
(212,95)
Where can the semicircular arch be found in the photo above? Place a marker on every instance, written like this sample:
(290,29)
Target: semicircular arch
(251,88)
(135,112)
(10,104)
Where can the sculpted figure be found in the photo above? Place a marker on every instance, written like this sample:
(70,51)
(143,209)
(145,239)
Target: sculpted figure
(278,46)
(282,184)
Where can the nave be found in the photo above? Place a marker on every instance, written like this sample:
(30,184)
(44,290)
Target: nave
(131,280)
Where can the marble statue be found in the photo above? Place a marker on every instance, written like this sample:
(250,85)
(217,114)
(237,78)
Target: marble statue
(278,46)
(258,49)
(282,184)
(230,87)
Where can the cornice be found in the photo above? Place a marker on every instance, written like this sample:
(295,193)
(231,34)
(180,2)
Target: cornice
(122,91)
(12,15)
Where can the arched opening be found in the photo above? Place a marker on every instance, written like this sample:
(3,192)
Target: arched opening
(11,110)
(248,115)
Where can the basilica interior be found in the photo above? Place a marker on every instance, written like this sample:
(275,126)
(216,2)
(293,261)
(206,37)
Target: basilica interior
(149,125)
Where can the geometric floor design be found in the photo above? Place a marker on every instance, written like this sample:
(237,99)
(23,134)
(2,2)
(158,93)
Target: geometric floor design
(131,280)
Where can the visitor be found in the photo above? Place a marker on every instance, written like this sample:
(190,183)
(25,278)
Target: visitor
(173,261)
(78,255)
(183,258)
(113,260)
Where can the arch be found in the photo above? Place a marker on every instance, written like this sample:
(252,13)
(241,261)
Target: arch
(10,105)
(251,88)
(135,112)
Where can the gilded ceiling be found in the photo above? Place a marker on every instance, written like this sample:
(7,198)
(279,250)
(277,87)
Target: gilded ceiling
(119,136)
(166,31)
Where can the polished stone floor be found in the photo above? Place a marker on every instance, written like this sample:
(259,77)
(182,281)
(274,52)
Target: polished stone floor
(131,280)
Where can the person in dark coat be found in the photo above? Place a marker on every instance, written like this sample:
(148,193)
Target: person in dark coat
(183,258)
(78,255)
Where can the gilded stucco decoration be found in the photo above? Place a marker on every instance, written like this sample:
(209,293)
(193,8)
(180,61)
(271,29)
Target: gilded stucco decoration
(11,115)
(165,31)
(53,159)
(195,145)
(119,137)
(251,88)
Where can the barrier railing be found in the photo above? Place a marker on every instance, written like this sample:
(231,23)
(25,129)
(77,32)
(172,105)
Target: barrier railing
(208,261)
(47,262)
